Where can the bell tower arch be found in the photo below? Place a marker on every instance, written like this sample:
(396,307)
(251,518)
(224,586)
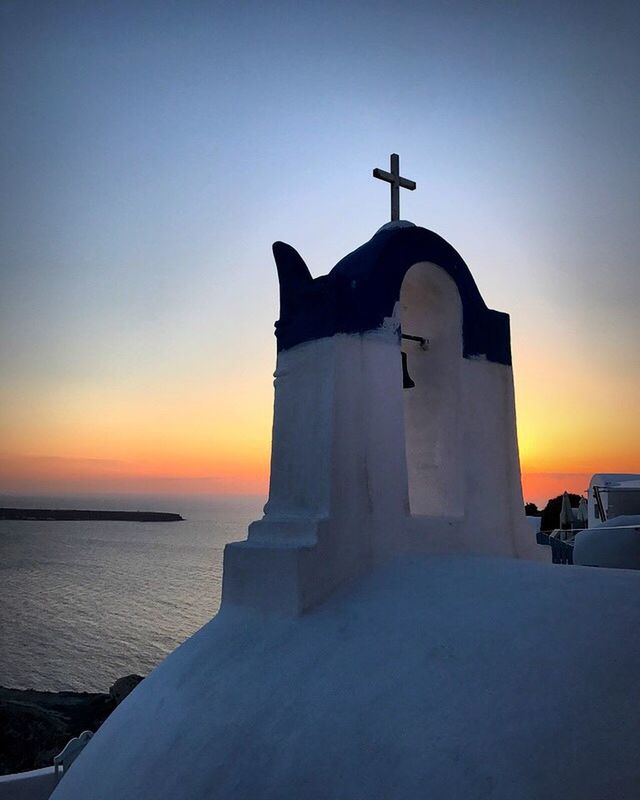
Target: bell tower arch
(431,314)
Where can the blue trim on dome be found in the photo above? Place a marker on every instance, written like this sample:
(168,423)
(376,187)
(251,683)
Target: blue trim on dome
(363,288)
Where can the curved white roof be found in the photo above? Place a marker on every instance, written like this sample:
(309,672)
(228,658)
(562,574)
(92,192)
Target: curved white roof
(433,677)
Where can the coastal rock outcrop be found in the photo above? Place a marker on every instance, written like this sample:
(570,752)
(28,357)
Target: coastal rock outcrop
(35,726)
(123,687)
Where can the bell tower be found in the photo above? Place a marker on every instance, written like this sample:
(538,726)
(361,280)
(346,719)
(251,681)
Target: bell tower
(363,464)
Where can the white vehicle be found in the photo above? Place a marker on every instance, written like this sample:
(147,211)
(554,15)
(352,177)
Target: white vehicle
(611,496)
(612,538)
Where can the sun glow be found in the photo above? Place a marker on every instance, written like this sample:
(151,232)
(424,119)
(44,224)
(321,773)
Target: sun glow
(200,438)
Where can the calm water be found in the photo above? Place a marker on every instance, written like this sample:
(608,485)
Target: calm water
(83,603)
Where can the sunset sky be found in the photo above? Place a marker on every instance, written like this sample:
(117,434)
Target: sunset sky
(151,153)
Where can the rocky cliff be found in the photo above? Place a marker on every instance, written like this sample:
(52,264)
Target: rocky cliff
(35,726)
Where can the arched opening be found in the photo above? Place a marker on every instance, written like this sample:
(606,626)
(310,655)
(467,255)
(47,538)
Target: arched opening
(430,308)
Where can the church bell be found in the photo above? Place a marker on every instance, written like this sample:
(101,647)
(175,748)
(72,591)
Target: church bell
(407,382)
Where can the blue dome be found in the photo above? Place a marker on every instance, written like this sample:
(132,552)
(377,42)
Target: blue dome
(363,288)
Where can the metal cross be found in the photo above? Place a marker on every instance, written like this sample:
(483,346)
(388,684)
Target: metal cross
(396,182)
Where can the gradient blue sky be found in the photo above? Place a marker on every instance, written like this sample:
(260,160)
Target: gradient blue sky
(152,151)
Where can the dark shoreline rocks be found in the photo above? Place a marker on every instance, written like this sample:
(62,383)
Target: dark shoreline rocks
(35,726)
(57,515)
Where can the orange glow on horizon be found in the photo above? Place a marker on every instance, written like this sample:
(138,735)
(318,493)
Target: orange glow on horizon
(51,475)
(194,438)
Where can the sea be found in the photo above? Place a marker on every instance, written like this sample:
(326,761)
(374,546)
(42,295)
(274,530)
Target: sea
(84,603)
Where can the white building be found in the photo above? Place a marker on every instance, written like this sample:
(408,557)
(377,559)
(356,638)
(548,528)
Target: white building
(362,467)
(613,535)
(383,633)
(613,495)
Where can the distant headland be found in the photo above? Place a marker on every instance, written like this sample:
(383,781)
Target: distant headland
(65,515)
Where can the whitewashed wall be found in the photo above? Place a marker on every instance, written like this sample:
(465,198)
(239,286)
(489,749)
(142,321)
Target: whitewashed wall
(37,784)
(362,468)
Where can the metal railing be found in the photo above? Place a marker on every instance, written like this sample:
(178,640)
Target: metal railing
(561,552)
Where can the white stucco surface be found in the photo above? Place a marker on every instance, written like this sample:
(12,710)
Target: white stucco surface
(608,546)
(362,468)
(535,523)
(431,677)
(37,784)
(430,307)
